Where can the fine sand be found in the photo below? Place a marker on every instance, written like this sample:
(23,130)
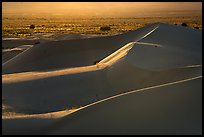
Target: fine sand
(146,81)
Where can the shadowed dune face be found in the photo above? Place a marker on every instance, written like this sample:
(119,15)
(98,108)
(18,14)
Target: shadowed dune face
(174,109)
(125,76)
(65,92)
(177,37)
(18,42)
(9,55)
(178,47)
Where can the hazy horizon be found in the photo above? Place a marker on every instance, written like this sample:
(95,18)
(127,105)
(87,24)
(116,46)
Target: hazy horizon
(97,8)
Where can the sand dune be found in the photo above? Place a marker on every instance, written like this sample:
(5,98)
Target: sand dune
(108,61)
(57,76)
(175,109)
(156,116)
(13,46)
(71,53)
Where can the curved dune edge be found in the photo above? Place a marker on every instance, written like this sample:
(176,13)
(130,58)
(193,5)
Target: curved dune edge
(63,113)
(26,76)
(49,115)
(107,61)
(115,91)
(45,127)
(177,111)
(134,91)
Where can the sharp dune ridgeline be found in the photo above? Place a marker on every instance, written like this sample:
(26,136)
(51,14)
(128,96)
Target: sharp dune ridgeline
(147,81)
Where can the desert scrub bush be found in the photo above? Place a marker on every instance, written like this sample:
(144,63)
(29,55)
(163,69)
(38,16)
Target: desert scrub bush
(105,28)
(196,27)
(32,26)
(184,24)
(38,42)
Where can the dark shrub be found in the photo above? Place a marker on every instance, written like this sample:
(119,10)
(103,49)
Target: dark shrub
(196,27)
(32,26)
(37,42)
(105,28)
(184,24)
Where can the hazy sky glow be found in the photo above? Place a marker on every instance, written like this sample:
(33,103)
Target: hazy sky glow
(96,8)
